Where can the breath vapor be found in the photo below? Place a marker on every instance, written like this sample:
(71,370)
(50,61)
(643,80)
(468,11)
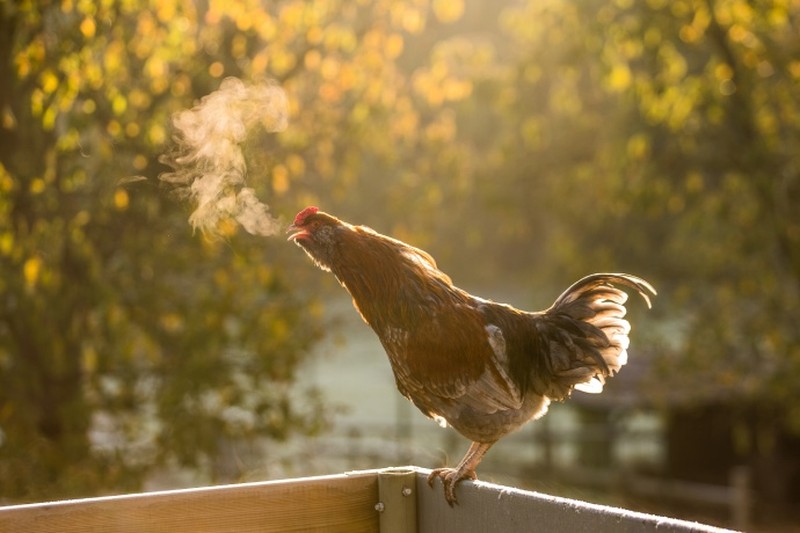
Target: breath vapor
(208,162)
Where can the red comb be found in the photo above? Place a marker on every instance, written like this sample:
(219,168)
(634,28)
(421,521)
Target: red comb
(301,217)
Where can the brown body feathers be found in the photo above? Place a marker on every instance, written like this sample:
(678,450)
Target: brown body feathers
(483,367)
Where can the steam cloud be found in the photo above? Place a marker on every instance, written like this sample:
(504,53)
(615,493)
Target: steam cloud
(208,161)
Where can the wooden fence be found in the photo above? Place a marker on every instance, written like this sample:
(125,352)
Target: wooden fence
(532,449)
(386,501)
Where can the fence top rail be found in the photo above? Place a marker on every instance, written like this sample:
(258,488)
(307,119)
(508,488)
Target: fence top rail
(518,510)
(342,502)
(198,491)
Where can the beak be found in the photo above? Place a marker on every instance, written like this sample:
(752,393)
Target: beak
(299,233)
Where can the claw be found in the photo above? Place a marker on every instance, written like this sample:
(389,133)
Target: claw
(450,478)
(466,470)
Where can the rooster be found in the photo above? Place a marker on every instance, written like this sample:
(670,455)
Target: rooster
(484,368)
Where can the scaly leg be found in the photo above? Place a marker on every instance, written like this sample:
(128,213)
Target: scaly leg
(465,469)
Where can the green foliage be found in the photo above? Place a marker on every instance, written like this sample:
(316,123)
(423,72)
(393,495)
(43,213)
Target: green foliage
(661,138)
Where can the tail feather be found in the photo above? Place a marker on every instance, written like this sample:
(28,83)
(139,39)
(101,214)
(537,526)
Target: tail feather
(602,282)
(582,357)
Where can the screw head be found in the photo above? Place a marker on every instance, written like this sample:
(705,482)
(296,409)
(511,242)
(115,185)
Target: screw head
(380,507)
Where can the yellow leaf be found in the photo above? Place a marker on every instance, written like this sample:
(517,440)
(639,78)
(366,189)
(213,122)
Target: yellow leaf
(280,179)
(638,146)
(113,56)
(447,11)
(260,62)
(82,218)
(88,106)
(216,69)
(159,85)
(179,87)
(157,134)
(6,243)
(620,77)
(114,128)
(329,68)
(296,164)
(794,69)
(694,183)
(723,71)
(455,89)
(88,27)
(132,129)
(314,35)
(37,186)
(37,102)
(121,199)
(49,81)
(141,100)
(171,322)
(139,162)
(23,66)
(312,60)
(119,104)
(282,61)
(410,19)
(49,118)
(31,270)
(156,67)
(165,11)
(89,359)
(239,46)
(394,46)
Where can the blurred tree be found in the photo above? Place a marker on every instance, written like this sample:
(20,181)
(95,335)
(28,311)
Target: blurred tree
(672,129)
(125,343)
(661,138)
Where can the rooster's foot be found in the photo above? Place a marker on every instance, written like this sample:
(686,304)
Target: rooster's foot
(450,478)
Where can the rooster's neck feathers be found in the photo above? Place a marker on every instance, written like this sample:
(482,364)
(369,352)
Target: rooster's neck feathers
(388,279)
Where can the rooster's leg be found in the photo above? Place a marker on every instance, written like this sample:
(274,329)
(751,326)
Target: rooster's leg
(465,469)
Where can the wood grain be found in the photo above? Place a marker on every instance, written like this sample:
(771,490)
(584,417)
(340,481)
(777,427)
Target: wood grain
(328,503)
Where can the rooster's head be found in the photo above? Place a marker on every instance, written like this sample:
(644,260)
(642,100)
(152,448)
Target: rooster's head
(315,232)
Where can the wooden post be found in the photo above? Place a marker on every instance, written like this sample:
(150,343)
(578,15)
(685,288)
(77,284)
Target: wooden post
(397,500)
